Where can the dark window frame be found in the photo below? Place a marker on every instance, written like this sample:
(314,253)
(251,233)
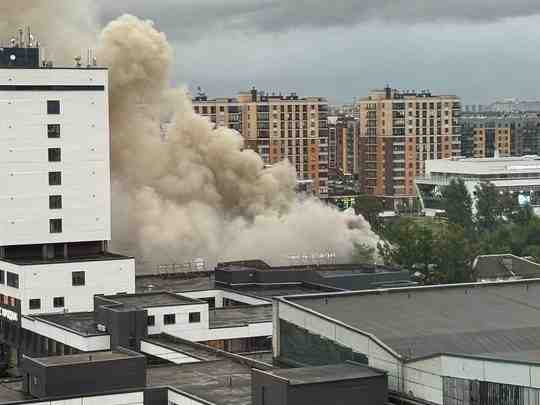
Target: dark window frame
(169,319)
(53,107)
(57,304)
(55,155)
(12,279)
(194,317)
(34,304)
(55,225)
(55,178)
(151,320)
(53,131)
(2,277)
(76,277)
(55,202)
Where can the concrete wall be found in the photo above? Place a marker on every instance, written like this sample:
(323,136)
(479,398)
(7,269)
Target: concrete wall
(24,164)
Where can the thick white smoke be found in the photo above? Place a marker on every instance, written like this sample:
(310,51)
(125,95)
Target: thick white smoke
(196,194)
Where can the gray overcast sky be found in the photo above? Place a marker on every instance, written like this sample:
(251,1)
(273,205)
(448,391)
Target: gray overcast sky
(480,50)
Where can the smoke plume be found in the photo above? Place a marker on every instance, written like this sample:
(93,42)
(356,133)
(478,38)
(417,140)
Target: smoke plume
(191,191)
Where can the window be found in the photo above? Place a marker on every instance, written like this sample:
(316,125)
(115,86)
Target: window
(12,280)
(169,319)
(34,304)
(2,276)
(55,155)
(78,278)
(53,107)
(55,202)
(194,317)
(151,320)
(55,178)
(58,302)
(55,225)
(53,130)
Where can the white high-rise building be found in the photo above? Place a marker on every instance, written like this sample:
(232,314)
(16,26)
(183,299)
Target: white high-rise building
(55,199)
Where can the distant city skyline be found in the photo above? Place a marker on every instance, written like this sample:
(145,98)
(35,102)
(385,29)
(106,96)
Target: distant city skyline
(482,51)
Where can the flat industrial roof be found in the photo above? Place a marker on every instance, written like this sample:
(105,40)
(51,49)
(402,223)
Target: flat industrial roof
(240,316)
(82,323)
(147,300)
(12,391)
(82,358)
(481,318)
(223,382)
(176,283)
(324,374)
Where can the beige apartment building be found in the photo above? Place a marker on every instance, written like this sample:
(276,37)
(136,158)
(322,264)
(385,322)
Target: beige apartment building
(399,131)
(278,127)
(492,142)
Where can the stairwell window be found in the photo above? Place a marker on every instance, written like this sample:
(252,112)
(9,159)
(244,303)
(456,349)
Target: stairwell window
(55,178)
(55,155)
(55,202)
(53,130)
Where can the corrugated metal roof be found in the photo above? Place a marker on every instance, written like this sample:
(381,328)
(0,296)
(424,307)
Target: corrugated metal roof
(470,319)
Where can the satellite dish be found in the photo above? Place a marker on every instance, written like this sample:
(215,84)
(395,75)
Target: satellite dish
(12,58)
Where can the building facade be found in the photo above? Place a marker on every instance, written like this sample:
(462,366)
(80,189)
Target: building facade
(514,134)
(55,225)
(343,145)
(278,128)
(399,131)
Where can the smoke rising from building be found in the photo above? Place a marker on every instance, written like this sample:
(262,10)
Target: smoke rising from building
(196,193)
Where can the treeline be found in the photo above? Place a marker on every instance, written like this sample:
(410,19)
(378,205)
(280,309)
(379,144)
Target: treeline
(443,250)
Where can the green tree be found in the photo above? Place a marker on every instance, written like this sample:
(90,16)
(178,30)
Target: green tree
(488,207)
(369,207)
(457,203)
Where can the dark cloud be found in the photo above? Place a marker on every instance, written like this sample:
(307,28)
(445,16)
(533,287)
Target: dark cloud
(187,18)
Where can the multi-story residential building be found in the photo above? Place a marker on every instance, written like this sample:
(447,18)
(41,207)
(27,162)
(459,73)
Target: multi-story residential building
(278,128)
(399,131)
(514,134)
(55,201)
(343,145)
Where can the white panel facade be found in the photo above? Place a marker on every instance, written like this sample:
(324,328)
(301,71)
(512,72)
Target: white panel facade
(182,323)
(47,281)
(167,354)
(72,339)
(24,164)
(423,379)
(219,295)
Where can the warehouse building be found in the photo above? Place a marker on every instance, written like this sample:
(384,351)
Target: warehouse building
(462,344)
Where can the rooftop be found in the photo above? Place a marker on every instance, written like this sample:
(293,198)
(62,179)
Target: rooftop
(324,374)
(422,321)
(504,266)
(30,261)
(12,391)
(83,358)
(82,323)
(174,283)
(240,316)
(223,382)
(197,351)
(148,300)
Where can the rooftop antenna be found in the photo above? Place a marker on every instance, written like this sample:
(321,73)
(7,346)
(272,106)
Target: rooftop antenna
(78,61)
